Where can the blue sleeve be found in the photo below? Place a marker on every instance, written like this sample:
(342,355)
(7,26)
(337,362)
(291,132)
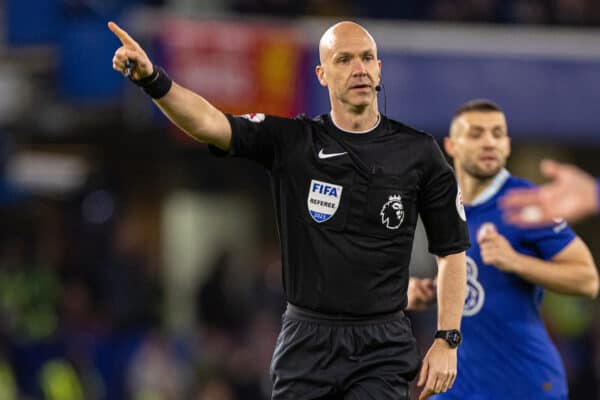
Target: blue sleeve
(551,240)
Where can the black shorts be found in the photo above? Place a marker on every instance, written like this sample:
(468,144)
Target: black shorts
(319,357)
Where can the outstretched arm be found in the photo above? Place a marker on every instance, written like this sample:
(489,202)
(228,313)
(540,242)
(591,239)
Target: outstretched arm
(572,194)
(186,109)
(439,365)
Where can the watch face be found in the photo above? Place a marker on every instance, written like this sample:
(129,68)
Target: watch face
(454,338)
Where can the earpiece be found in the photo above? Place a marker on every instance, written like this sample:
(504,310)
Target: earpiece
(379,85)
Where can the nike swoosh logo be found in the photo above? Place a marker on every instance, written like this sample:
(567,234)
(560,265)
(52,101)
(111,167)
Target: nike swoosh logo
(323,156)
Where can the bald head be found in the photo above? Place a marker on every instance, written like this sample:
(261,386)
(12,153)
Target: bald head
(339,33)
(350,69)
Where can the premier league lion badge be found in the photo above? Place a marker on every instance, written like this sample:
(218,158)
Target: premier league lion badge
(392,212)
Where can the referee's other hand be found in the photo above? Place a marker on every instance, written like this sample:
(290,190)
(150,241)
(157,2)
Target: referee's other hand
(130,50)
(439,369)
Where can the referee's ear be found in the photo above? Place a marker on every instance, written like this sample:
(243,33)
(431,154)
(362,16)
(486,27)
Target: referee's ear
(320,71)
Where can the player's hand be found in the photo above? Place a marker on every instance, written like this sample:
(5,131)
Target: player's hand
(439,369)
(571,195)
(495,249)
(421,293)
(130,50)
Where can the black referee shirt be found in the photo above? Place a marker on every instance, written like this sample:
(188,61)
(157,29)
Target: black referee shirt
(347,206)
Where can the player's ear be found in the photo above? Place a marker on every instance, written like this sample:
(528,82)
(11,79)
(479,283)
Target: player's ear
(320,71)
(449,146)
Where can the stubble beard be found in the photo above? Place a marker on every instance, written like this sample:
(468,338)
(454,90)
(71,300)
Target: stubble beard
(357,107)
(481,175)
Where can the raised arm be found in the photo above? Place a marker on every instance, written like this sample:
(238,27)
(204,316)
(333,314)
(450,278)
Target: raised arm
(186,109)
(572,194)
(439,365)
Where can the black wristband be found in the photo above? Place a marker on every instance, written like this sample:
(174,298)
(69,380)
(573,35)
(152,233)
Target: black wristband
(157,84)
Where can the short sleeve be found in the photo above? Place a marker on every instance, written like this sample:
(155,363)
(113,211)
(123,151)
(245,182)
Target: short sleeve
(441,205)
(258,137)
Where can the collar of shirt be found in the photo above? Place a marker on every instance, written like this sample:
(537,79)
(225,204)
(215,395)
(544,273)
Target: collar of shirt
(492,189)
(356,132)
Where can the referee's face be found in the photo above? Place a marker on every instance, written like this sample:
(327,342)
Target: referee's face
(349,65)
(479,143)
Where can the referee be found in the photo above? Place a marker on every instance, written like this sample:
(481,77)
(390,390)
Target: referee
(348,187)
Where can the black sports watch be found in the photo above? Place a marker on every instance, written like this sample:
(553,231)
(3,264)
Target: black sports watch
(452,337)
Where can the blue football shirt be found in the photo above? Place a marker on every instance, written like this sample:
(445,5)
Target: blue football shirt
(506,352)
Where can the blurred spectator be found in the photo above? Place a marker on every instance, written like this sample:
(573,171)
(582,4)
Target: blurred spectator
(131,291)
(408,9)
(60,381)
(466,11)
(219,304)
(8,382)
(28,290)
(281,8)
(530,12)
(570,12)
(215,389)
(330,8)
(267,287)
(155,372)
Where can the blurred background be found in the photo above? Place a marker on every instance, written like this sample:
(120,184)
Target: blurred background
(135,266)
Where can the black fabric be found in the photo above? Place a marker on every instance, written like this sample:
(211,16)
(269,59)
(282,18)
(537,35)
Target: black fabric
(354,263)
(157,85)
(329,359)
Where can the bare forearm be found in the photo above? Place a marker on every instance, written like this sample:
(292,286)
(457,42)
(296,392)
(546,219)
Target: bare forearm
(451,287)
(196,116)
(189,111)
(574,278)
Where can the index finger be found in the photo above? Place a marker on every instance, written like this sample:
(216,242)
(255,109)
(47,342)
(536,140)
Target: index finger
(121,34)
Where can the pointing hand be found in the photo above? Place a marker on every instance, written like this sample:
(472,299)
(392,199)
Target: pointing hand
(139,64)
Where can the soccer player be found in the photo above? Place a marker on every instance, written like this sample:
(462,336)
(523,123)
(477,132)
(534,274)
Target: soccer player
(506,352)
(572,194)
(347,187)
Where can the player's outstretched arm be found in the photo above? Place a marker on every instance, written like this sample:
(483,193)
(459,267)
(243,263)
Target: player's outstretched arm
(572,194)
(186,109)
(439,365)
